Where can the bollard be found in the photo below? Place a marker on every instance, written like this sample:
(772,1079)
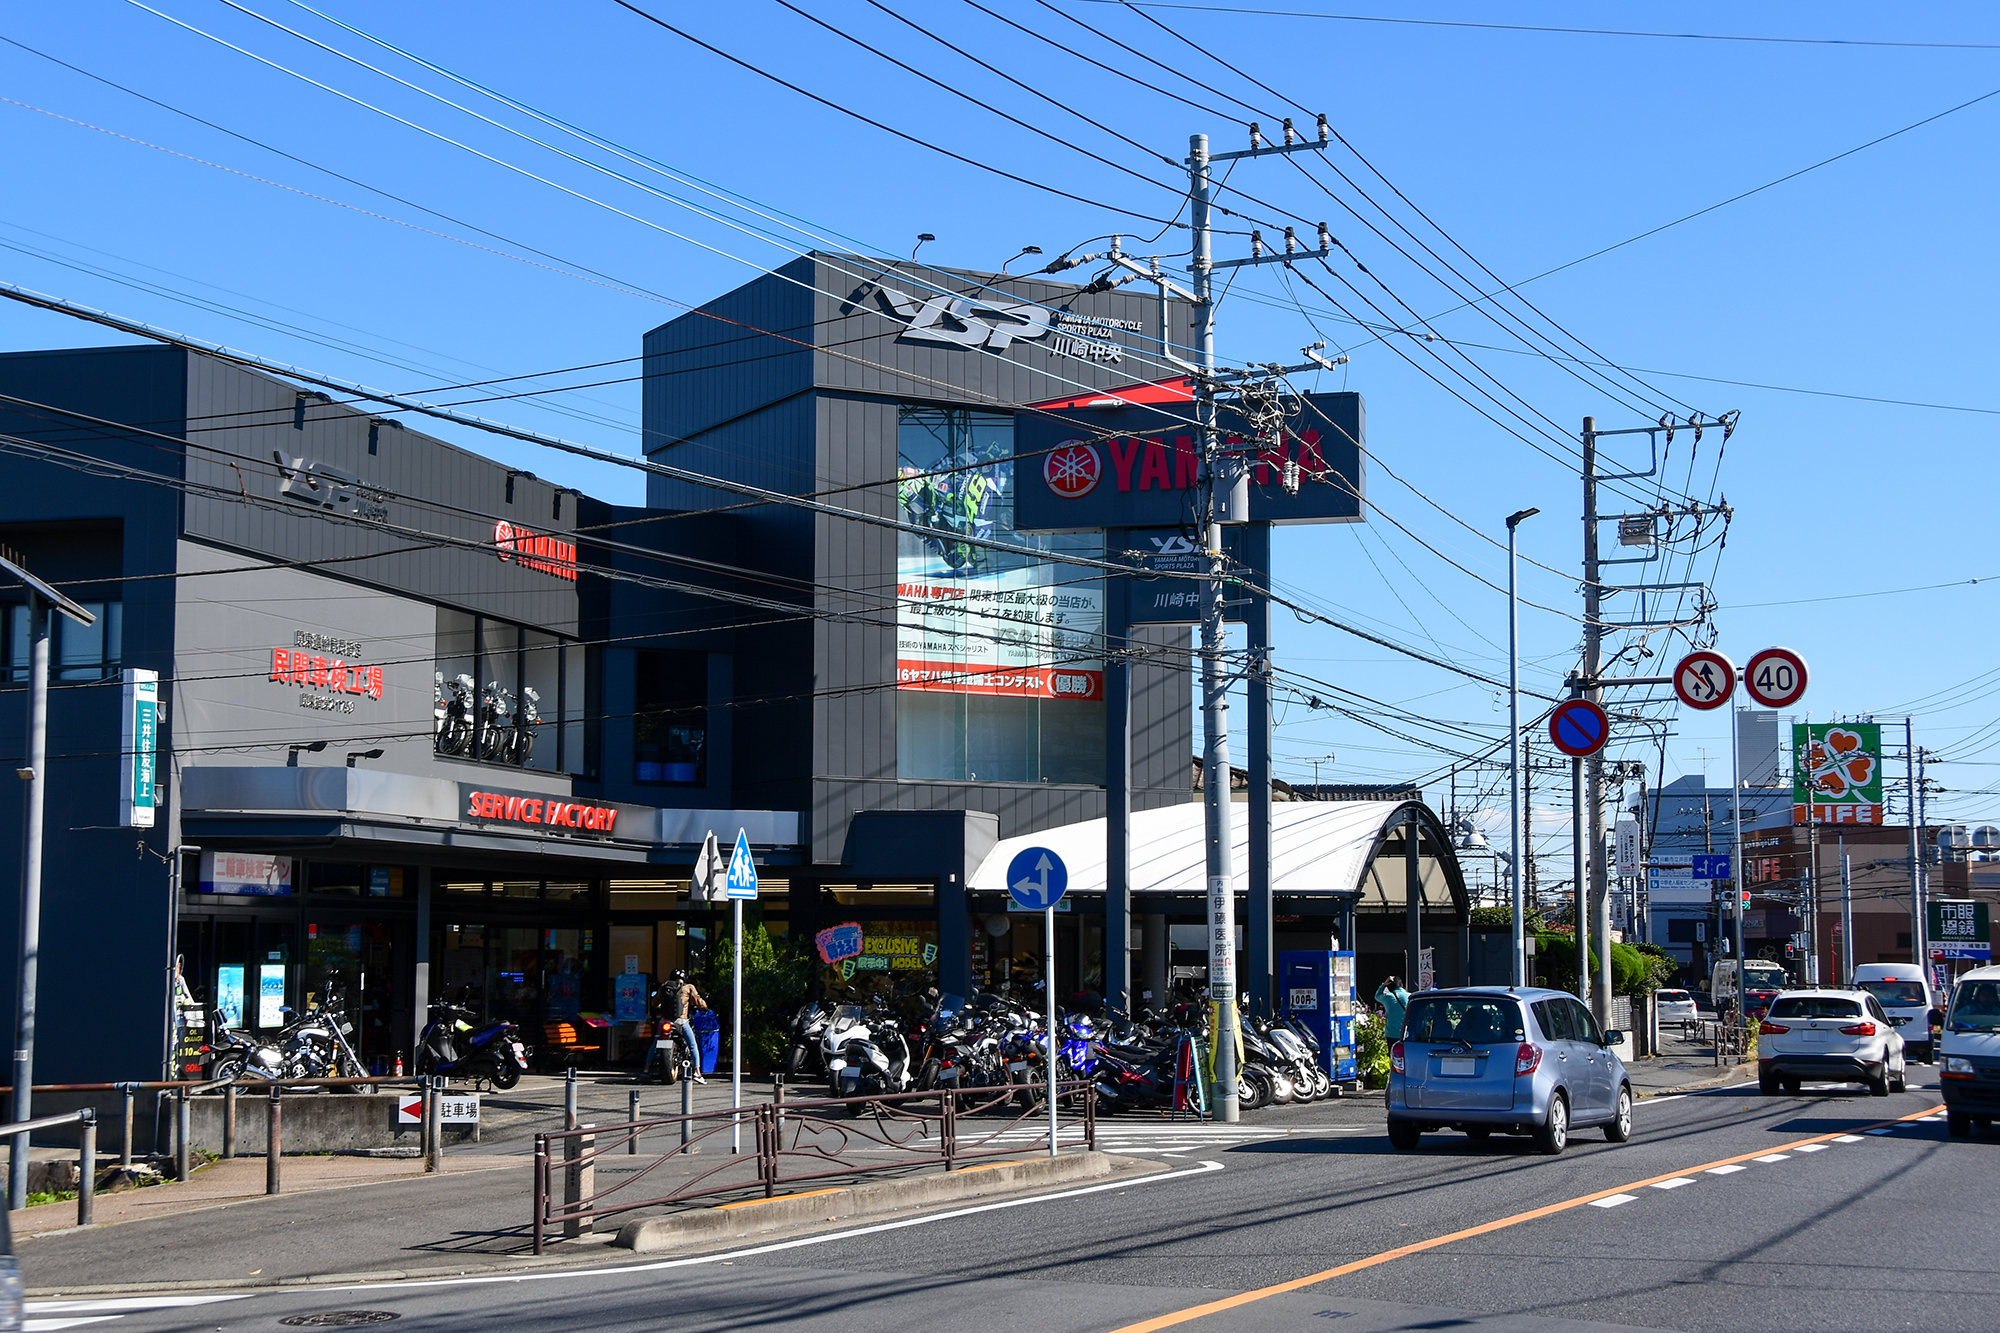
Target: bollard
(183,1150)
(778,1108)
(579,1181)
(569,1098)
(125,1151)
(687,1109)
(274,1149)
(229,1121)
(433,1118)
(86,1175)
(632,1114)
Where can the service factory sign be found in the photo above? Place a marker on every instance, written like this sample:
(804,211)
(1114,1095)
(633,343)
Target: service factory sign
(1089,468)
(537,810)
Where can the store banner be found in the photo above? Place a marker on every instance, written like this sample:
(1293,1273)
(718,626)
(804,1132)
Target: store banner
(1125,466)
(246,873)
(1837,773)
(138,749)
(1011,632)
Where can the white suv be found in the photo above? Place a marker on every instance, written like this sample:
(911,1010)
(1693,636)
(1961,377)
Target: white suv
(1832,1036)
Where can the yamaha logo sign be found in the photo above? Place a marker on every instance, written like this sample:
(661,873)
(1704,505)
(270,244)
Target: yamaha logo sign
(1072,469)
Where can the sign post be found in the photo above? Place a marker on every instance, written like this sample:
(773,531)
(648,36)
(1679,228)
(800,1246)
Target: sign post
(1037,880)
(741,886)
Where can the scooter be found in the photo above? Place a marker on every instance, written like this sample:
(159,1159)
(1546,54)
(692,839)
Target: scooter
(455,1045)
(866,1054)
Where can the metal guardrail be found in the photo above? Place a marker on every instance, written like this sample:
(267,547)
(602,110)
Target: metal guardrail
(826,1136)
(86,1182)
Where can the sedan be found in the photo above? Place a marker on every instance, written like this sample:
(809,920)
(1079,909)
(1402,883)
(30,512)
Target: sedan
(1674,1006)
(1835,1036)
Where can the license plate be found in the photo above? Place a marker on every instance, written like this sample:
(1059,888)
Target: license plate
(663,1044)
(1458,1066)
(1821,1038)
(1016,1066)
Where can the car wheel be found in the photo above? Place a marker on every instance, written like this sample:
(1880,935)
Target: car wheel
(1767,1083)
(1958,1124)
(1552,1135)
(1619,1128)
(1899,1080)
(1403,1134)
(1878,1084)
(1790,1085)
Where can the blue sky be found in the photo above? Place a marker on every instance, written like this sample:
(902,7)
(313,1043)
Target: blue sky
(1868,277)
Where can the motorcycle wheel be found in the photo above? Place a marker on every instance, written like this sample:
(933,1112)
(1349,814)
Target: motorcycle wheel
(927,1077)
(1283,1091)
(505,1076)
(795,1061)
(227,1070)
(1322,1083)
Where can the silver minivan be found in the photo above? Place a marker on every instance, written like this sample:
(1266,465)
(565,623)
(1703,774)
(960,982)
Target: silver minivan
(1487,1059)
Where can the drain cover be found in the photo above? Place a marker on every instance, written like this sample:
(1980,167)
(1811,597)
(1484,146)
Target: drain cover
(339,1318)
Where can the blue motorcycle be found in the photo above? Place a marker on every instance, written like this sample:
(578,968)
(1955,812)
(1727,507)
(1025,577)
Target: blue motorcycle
(457,1045)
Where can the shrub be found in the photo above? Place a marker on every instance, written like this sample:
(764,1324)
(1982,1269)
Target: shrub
(1371,1052)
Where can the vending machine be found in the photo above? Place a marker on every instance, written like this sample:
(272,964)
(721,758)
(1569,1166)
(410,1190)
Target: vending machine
(1317,988)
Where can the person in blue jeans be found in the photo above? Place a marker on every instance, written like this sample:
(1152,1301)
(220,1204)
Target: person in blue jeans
(1395,1002)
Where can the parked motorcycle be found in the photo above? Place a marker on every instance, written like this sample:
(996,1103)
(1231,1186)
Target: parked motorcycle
(318,1046)
(456,1045)
(866,1053)
(808,1031)
(233,1052)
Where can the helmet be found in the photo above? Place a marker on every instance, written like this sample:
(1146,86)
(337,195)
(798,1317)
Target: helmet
(680,975)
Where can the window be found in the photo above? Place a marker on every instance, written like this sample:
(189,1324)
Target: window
(1480,1022)
(1583,1024)
(1814,1006)
(670,717)
(76,652)
(507,695)
(999,656)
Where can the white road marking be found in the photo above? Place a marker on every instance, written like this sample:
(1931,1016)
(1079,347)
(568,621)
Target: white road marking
(1812,1147)
(1673,1184)
(1881,1131)
(50,1315)
(1728,1170)
(1614,1200)
(50,1325)
(1847,1138)
(1775,1157)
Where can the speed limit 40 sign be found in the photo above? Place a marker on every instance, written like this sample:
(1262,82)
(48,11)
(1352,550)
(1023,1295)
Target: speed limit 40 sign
(1775,678)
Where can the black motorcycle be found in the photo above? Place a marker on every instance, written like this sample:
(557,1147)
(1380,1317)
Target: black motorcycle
(456,1045)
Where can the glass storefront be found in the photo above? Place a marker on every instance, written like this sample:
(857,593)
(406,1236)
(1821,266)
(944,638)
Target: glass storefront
(508,695)
(1000,657)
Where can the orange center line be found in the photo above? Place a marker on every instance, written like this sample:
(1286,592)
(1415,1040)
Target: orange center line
(1194,1312)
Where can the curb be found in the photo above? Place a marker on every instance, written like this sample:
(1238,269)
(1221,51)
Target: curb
(1701,1085)
(733,1221)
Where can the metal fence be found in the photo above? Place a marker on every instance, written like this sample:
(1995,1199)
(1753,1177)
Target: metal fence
(794,1143)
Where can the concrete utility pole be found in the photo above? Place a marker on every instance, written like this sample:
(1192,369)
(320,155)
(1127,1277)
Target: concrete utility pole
(1919,954)
(1846,973)
(1225,499)
(42,599)
(1520,951)
(1598,899)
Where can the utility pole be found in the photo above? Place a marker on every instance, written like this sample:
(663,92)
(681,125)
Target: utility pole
(1919,954)
(43,602)
(1225,499)
(1597,901)
(1846,973)
(1519,962)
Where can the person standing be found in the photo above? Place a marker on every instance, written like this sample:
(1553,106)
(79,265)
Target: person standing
(1395,1002)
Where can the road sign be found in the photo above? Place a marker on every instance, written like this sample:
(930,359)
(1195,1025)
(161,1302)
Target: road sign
(453,1109)
(1037,879)
(1579,727)
(1711,865)
(742,881)
(1775,678)
(1704,679)
(706,886)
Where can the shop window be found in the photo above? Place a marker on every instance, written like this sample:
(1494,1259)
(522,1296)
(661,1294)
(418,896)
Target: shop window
(517,888)
(339,878)
(647,895)
(670,717)
(462,888)
(999,655)
(565,891)
(76,652)
(508,695)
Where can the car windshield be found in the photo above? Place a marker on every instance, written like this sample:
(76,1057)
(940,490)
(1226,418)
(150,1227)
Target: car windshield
(1896,994)
(1976,1007)
(1760,978)
(1673,996)
(1814,1006)
(1474,1019)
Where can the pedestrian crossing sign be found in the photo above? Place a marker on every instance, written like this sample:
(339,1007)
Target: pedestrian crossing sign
(742,881)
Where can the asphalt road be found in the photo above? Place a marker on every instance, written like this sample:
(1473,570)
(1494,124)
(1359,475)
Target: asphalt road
(1728,1211)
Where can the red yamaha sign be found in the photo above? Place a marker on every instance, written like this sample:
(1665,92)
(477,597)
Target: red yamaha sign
(535,550)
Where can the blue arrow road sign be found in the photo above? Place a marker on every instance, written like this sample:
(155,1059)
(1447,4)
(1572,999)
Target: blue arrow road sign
(1711,865)
(742,881)
(1037,879)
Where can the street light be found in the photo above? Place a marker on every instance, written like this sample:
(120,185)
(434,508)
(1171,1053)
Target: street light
(1520,958)
(292,752)
(34,775)
(354,756)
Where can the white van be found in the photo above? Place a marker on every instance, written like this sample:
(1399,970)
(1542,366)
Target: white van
(1762,981)
(1969,1053)
(1906,995)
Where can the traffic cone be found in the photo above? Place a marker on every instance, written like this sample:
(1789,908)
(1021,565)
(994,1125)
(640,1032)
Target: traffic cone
(399,1064)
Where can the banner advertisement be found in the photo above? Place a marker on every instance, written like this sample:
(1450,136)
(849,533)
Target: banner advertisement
(1837,773)
(246,873)
(1960,928)
(138,750)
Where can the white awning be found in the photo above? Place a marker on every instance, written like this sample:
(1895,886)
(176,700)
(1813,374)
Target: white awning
(1317,847)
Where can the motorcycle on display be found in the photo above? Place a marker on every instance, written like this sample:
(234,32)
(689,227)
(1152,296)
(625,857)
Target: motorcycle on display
(866,1053)
(520,740)
(496,721)
(808,1030)
(233,1053)
(452,715)
(456,1045)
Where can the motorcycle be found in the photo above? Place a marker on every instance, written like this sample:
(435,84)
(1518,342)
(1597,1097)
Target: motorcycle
(519,742)
(452,716)
(456,1045)
(671,1059)
(233,1053)
(808,1029)
(317,1045)
(496,721)
(866,1053)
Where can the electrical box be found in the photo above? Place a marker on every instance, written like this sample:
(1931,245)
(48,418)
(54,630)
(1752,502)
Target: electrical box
(1317,988)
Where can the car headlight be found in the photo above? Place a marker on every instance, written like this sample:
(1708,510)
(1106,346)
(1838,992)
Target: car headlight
(1957,1064)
